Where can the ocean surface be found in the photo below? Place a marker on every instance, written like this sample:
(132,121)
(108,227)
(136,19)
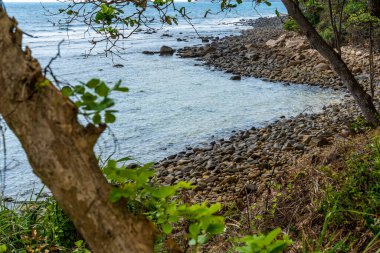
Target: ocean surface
(172,103)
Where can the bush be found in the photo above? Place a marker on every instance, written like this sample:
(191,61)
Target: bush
(328,35)
(36,226)
(355,199)
(291,25)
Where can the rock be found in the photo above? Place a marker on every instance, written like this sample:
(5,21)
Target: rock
(299,57)
(252,56)
(318,141)
(165,50)
(7,199)
(322,67)
(169,180)
(210,165)
(205,40)
(183,161)
(302,46)
(264,166)
(276,43)
(356,70)
(249,188)
(294,43)
(345,133)
(298,146)
(271,43)
(306,139)
(132,166)
(149,52)
(236,78)
(294,63)
(209,49)
(287,146)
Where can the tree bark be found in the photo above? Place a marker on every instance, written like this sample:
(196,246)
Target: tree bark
(363,99)
(60,150)
(374,7)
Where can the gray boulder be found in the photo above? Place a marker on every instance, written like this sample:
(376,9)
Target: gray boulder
(165,50)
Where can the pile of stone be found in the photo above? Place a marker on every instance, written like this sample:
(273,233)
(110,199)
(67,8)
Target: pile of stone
(274,54)
(228,169)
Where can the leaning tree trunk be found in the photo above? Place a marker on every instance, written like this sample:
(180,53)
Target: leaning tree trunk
(363,99)
(60,150)
(374,7)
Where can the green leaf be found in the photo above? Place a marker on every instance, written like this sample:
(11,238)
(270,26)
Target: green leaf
(102,89)
(67,91)
(124,159)
(215,208)
(164,192)
(96,119)
(144,175)
(105,104)
(115,195)
(109,117)
(277,13)
(202,239)
(194,229)
(79,89)
(93,83)
(167,228)
(88,97)
(3,248)
(217,228)
(271,236)
(79,243)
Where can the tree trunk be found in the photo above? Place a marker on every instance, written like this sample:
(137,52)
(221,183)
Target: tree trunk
(374,7)
(60,150)
(363,99)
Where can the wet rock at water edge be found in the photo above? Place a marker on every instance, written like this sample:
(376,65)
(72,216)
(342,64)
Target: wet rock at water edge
(150,52)
(205,39)
(166,51)
(236,78)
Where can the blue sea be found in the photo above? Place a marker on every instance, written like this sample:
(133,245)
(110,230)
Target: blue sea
(173,102)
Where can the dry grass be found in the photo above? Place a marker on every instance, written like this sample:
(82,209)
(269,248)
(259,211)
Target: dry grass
(293,200)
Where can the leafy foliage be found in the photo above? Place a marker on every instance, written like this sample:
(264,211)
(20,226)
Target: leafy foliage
(358,196)
(264,243)
(360,125)
(162,204)
(327,34)
(291,25)
(37,226)
(93,99)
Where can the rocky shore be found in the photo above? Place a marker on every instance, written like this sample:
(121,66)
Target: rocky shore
(228,169)
(244,164)
(269,52)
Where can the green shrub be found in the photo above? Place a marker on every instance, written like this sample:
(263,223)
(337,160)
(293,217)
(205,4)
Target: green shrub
(356,197)
(270,243)
(327,34)
(36,226)
(291,25)
(162,204)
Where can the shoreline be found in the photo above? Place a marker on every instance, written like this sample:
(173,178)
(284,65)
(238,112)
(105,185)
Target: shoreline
(268,52)
(246,162)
